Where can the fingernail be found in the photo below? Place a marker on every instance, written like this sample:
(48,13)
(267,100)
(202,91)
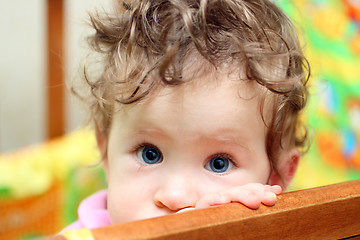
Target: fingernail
(277,188)
(270,195)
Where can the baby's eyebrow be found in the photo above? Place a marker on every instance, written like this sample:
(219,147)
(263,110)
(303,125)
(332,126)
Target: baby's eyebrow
(232,141)
(218,137)
(149,131)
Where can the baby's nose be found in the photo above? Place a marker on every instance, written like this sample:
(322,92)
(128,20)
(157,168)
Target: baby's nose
(176,193)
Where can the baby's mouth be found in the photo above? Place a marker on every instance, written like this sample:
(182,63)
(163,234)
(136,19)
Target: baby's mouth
(185,209)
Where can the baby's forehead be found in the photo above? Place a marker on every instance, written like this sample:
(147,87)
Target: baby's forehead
(199,75)
(200,106)
(229,87)
(205,78)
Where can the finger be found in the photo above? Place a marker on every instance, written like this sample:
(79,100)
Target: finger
(238,194)
(266,193)
(248,197)
(273,188)
(269,199)
(276,189)
(253,195)
(212,200)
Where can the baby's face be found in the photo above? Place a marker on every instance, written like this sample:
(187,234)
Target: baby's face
(182,143)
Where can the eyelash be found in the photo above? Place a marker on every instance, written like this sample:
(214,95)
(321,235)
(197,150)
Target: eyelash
(224,155)
(142,145)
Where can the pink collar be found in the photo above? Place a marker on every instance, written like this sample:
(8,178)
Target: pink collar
(93,211)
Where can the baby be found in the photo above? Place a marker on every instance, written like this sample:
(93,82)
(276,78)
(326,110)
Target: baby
(197,105)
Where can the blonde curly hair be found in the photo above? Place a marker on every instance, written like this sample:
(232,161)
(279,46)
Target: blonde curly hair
(148,43)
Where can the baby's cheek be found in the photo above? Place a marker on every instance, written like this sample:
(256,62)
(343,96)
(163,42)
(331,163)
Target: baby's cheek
(118,207)
(113,211)
(120,213)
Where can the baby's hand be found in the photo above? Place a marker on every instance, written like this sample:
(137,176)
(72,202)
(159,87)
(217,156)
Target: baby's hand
(250,195)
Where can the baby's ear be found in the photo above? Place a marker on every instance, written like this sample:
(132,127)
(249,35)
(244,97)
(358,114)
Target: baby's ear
(287,165)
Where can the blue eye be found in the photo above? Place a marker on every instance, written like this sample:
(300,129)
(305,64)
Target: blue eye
(219,164)
(150,155)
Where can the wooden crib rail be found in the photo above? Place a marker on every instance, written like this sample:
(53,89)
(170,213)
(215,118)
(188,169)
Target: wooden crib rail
(330,212)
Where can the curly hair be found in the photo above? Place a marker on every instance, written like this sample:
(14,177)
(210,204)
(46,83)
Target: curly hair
(149,43)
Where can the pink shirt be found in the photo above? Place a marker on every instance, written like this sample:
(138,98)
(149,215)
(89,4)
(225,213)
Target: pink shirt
(92,212)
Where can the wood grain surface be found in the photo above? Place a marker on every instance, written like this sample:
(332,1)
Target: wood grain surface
(330,212)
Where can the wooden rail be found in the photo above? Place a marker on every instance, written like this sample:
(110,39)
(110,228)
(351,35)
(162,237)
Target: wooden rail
(330,212)
(55,65)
